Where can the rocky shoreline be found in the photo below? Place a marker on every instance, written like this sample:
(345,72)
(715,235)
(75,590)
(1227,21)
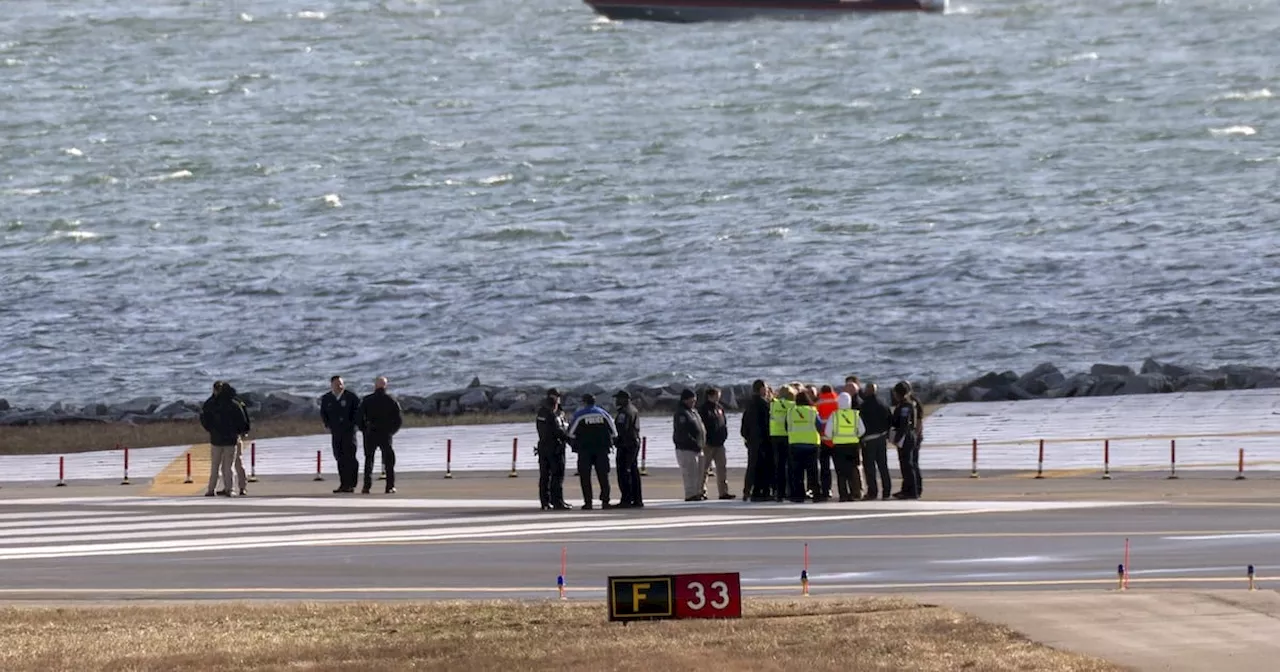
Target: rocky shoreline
(1045,381)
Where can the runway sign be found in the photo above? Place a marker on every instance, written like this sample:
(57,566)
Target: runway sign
(642,598)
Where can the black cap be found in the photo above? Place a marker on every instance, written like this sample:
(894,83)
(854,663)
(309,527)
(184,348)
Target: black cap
(553,392)
(688,394)
(589,399)
(622,394)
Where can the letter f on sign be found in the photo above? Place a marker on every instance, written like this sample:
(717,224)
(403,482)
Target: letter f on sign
(638,593)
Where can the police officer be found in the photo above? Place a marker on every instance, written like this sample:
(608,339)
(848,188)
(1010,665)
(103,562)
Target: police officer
(592,434)
(627,423)
(339,409)
(553,434)
(875,450)
(903,435)
(843,430)
(778,408)
(380,418)
(803,439)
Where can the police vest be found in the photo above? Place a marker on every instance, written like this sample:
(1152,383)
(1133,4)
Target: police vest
(845,431)
(801,426)
(778,416)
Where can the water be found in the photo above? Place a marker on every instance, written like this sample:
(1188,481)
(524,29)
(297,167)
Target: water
(273,192)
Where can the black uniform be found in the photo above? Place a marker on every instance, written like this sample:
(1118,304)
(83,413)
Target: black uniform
(592,434)
(627,423)
(876,418)
(755,434)
(341,416)
(904,437)
(552,437)
(379,419)
(919,440)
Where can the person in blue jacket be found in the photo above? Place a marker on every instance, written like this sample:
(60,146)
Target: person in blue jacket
(592,434)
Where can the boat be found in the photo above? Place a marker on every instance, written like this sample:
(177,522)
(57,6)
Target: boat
(690,11)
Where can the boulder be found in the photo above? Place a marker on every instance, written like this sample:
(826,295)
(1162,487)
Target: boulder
(528,404)
(19,418)
(252,399)
(474,399)
(60,408)
(1196,382)
(138,406)
(1247,377)
(1107,386)
(414,405)
(1078,385)
(475,382)
(1101,370)
(178,410)
(1150,365)
(1147,383)
(94,410)
(283,404)
(506,398)
(590,388)
(4,405)
(973,393)
(1041,379)
(729,398)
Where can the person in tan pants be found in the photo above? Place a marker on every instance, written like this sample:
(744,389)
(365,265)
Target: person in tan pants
(226,421)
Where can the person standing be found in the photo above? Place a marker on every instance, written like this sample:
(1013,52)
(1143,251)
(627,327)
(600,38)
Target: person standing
(919,408)
(237,464)
(713,419)
(627,422)
(843,430)
(778,408)
(803,438)
(226,421)
(592,432)
(553,435)
(826,407)
(755,434)
(903,435)
(339,410)
(690,437)
(875,450)
(380,418)
(853,388)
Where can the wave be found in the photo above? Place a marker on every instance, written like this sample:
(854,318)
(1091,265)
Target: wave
(1258,94)
(176,175)
(1233,130)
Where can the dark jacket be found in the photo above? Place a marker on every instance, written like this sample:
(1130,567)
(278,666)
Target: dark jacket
(919,420)
(688,431)
(340,415)
(755,421)
(379,414)
(904,425)
(714,422)
(592,430)
(627,422)
(876,417)
(225,418)
(553,432)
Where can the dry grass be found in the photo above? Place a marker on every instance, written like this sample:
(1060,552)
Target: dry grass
(82,437)
(814,636)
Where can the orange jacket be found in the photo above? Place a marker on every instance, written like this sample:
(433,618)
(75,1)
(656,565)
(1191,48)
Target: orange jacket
(827,405)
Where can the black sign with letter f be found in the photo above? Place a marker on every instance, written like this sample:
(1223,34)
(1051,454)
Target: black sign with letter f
(641,598)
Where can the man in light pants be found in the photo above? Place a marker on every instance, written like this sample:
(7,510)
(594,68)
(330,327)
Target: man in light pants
(226,421)
(690,437)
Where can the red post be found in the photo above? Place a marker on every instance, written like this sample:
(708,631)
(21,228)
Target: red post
(253,461)
(1240,467)
(1106,460)
(318,468)
(973,471)
(61,472)
(448,459)
(644,454)
(1127,569)
(514,450)
(804,574)
(188,480)
(126,465)
(1173,459)
(1040,468)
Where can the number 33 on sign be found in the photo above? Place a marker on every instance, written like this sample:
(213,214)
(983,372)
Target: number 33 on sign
(643,598)
(708,596)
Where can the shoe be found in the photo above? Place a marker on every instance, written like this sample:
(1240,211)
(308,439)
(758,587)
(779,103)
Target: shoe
(901,495)
(244,493)
(695,498)
(224,493)
(622,505)
(637,505)
(208,494)
(870,497)
(364,491)
(546,507)
(586,507)
(606,505)
(561,507)
(391,491)
(702,497)
(760,498)
(886,496)
(820,499)
(728,496)
(797,501)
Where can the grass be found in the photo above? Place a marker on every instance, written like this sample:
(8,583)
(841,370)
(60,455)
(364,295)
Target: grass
(774,635)
(83,437)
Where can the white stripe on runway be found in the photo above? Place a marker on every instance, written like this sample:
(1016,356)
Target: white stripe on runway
(96,519)
(195,526)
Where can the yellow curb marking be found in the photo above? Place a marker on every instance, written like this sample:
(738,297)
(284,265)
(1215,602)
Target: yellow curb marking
(169,482)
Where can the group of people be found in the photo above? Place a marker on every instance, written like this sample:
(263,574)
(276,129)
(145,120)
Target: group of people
(797,438)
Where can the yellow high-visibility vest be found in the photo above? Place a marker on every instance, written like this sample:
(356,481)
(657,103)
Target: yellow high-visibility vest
(778,416)
(802,427)
(845,432)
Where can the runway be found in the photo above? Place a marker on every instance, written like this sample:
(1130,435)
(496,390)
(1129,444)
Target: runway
(104,548)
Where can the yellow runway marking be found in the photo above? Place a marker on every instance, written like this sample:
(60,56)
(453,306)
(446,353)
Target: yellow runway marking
(169,482)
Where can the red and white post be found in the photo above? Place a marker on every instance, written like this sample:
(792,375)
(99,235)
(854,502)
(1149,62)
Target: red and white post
(1240,467)
(126,465)
(253,461)
(644,454)
(188,478)
(1106,460)
(973,471)
(1040,463)
(62,472)
(319,475)
(448,458)
(1173,460)
(515,442)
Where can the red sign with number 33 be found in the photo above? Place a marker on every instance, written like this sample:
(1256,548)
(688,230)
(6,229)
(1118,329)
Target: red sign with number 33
(708,596)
